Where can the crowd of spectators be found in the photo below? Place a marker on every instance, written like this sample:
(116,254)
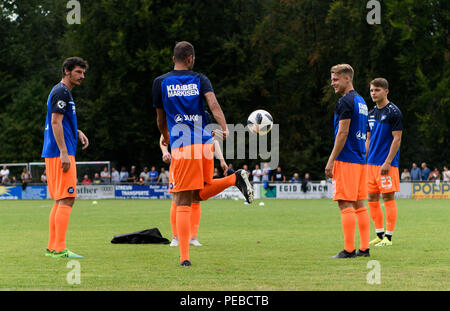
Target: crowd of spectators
(257,175)
(424,173)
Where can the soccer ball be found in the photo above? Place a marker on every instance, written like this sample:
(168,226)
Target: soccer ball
(260,122)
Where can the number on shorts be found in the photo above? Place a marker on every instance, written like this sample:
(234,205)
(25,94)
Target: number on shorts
(386,182)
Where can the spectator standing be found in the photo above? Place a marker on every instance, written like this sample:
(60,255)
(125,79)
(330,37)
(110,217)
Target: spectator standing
(163,178)
(257,174)
(416,174)
(105,176)
(25,176)
(434,175)
(97,179)
(132,177)
(278,175)
(4,174)
(13,180)
(115,177)
(123,174)
(44,177)
(305,182)
(406,176)
(425,171)
(265,173)
(144,175)
(446,174)
(86,180)
(153,175)
(245,168)
(295,178)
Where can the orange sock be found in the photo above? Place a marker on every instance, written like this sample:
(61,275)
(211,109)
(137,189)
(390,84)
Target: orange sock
(183,226)
(62,217)
(217,186)
(51,227)
(195,218)
(391,216)
(376,213)
(348,225)
(173,219)
(364,227)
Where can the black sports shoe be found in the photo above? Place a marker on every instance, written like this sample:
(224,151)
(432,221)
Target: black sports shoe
(185,263)
(244,185)
(361,253)
(345,254)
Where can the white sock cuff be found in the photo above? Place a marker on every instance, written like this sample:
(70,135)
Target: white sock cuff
(379,230)
(391,233)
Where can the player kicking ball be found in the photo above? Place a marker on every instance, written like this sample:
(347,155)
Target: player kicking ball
(178,97)
(60,144)
(383,144)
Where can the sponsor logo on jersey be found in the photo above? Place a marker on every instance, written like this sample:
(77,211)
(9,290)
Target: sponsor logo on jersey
(363,109)
(61,104)
(360,135)
(182,90)
(187,117)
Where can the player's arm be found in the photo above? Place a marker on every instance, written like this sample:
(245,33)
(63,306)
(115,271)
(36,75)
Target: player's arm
(392,152)
(219,155)
(339,143)
(162,125)
(367,144)
(166,156)
(217,112)
(83,139)
(58,132)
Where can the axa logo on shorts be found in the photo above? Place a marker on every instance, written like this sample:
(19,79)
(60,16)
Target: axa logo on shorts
(363,109)
(182,90)
(179,118)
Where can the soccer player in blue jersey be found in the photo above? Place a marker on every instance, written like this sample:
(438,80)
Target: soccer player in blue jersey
(383,147)
(178,97)
(346,164)
(60,144)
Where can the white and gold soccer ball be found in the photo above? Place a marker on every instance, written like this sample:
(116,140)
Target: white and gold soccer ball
(260,122)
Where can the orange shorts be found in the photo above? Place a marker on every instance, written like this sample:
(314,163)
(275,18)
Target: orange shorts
(61,185)
(349,181)
(191,167)
(378,183)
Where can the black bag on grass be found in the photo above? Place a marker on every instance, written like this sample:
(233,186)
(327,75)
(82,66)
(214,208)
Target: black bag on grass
(149,236)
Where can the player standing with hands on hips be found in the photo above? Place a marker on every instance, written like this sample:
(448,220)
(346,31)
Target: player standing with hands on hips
(178,97)
(384,135)
(347,162)
(60,144)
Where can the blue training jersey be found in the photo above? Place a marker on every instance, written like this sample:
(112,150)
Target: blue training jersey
(381,124)
(352,106)
(181,94)
(61,101)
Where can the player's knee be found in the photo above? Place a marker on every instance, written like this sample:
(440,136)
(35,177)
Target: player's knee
(67,202)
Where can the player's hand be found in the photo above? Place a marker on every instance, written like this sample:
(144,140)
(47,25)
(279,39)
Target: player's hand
(84,140)
(224,167)
(329,169)
(65,162)
(166,157)
(219,134)
(385,168)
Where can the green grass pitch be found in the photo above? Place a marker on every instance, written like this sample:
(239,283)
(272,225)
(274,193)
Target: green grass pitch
(283,245)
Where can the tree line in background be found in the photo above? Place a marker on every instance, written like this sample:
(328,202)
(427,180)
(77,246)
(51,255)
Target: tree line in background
(269,54)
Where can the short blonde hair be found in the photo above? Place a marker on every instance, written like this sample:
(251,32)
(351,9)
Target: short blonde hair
(343,69)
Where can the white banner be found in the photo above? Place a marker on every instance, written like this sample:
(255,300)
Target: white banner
(90,192)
